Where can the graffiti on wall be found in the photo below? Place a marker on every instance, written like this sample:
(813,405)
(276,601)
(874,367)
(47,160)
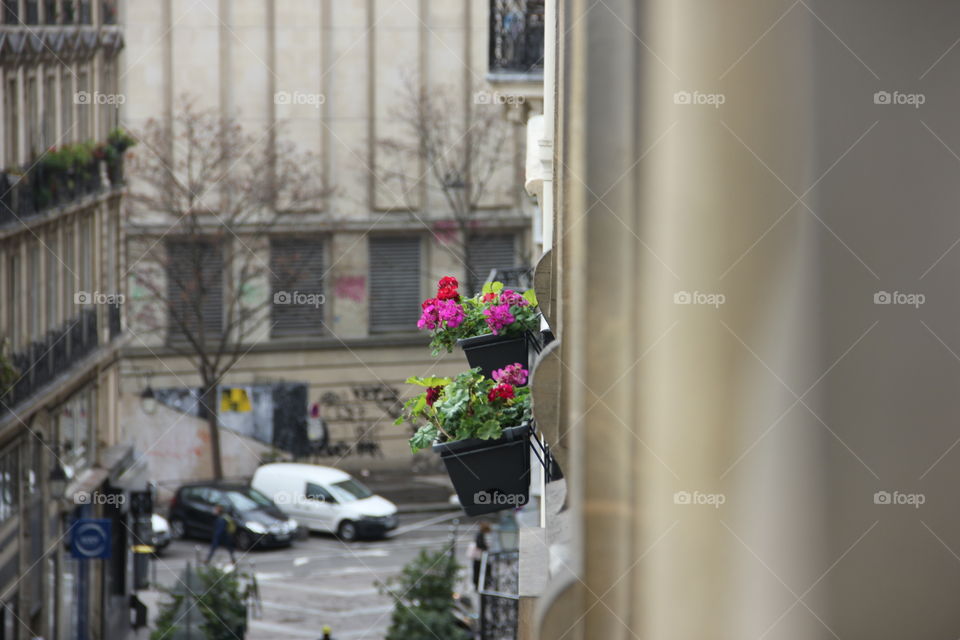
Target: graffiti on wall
(347,422)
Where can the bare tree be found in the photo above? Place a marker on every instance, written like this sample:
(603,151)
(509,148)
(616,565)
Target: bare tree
(450,146)
(205,196)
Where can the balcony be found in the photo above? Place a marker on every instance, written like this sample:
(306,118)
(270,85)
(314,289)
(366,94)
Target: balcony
(55,182)
(52,355)
(516,38)
(516,49)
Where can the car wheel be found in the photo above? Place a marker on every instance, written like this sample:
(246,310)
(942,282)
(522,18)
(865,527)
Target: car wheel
(347,531)
(178,529)
(244,540)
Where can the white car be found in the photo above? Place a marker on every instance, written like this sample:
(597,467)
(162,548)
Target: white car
(326,499)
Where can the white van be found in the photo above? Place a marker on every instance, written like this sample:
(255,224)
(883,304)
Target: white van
(326,499)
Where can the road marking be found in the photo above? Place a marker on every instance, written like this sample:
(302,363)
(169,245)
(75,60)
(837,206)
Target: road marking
(299,562)
(292,630)
(420,524)
(328,612)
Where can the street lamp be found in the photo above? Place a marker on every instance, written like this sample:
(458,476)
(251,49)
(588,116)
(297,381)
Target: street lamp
(148,400)
(508,532)
(58,481)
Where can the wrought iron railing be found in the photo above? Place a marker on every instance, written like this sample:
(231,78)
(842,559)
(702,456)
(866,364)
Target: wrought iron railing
(499,597)
(38,188)
(48,357)
(516,36)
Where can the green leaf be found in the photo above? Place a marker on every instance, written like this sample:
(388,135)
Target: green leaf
(489,430)
(423,438)
(432,381)
(530,296)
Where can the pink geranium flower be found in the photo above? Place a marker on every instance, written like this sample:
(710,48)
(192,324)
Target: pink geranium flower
(451,313)
(498,317)
(513,374)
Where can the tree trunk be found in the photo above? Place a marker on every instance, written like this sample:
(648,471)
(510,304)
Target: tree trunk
(210,404)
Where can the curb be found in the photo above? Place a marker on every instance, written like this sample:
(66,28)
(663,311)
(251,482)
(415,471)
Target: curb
(426,506)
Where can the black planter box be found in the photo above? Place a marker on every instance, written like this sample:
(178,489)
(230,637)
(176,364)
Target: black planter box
(490,475)
(492,352)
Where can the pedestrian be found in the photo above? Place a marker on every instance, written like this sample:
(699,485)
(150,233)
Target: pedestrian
(223,530)
(477,547)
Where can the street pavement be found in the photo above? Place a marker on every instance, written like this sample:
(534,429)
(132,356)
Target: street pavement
(321,580)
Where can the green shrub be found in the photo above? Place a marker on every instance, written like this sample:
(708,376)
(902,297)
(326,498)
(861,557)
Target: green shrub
(219,607)
(423,599)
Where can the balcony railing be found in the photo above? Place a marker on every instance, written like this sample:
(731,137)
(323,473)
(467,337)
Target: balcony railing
(516,36)
(39,188)
(45,359)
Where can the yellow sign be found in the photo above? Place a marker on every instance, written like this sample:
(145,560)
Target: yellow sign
(235,399)
(142,548)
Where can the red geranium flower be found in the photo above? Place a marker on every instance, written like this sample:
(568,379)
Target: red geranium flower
(433,393)
(489,297)
(502,390)
(447,288)
(426,303)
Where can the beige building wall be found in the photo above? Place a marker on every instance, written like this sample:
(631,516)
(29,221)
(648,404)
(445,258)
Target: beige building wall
(331,76)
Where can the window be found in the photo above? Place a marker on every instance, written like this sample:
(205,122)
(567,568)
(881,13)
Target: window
(13,308)
(394,291)
(34,295)
(86,255)
(52,280)
(194,289)
(33,117)
(69,272)
(75,426)
(316,492)
(9,483)
(350,490)
(11,109)
(49,105)
(488,252)
(11,12)
(66,106)
(296,276)
(85,107)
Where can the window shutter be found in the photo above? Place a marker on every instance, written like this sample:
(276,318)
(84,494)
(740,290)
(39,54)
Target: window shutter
(488,252)
(394,283)
(195,288)
(296,276)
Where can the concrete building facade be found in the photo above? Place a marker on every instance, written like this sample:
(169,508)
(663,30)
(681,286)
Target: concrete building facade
(62,451)
(331,76)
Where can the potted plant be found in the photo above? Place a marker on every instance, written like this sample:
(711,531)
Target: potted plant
(480,428)
(118,141)
(493,328)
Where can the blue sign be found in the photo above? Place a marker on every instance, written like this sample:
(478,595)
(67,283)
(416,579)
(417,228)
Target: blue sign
(90,538)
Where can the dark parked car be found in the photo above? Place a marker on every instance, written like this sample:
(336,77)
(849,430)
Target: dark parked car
(259,521)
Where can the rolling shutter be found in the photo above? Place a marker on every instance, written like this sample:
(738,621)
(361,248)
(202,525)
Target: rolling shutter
(195,288)
(296,276)
(488,252)
(395,295)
